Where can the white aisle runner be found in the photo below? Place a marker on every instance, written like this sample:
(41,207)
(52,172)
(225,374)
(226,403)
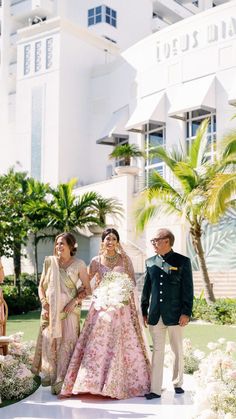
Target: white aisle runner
(43,405)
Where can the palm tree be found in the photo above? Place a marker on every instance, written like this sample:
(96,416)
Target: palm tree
(13,225)
(126,151)
(222,190)
(67,211)
(34,210)
(105,206)
(196,178)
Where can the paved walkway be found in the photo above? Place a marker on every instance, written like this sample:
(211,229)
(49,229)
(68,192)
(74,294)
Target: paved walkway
(42,404)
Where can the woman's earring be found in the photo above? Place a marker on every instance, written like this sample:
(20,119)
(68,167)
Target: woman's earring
(101,250)
(117,248)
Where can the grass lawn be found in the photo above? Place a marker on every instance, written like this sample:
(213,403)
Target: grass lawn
(200,334)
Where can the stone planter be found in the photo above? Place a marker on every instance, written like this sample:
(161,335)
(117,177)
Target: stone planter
(124,170)
(95,229)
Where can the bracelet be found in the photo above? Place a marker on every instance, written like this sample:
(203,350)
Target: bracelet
(44,300)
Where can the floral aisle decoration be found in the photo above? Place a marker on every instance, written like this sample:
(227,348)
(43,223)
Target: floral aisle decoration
(16,379)
(192,357)
(215,396)
(113,292)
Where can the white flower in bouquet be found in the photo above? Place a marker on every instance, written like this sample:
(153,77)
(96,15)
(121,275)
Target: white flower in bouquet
(113,291)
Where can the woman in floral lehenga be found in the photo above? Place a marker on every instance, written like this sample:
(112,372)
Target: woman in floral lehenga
(60,317)
(110,357)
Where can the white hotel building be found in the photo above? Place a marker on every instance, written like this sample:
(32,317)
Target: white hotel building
(78,77)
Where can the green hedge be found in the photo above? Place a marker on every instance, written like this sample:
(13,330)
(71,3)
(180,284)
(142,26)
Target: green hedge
(222,311)
(23,297)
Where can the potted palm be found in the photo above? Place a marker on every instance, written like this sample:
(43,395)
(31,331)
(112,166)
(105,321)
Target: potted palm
(103,207)
(125,152)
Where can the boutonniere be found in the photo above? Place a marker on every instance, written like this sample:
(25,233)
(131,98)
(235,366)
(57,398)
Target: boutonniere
(173,268)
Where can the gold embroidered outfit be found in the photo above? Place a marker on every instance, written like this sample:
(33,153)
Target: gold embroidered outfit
(58,330)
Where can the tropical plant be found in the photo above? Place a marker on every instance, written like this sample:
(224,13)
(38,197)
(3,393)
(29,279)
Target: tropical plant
(195,177)
(222,188)
(126,151)
(13,225)
(107,206)
(64,211)
(37,193)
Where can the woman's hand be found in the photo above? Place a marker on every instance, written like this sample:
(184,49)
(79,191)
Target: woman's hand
(45,306)
(82,293)
(70,306)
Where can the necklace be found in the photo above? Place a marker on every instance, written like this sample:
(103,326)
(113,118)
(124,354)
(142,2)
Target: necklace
(111,260)
(65,265)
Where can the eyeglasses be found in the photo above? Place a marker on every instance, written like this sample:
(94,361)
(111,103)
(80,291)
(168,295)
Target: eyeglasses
(156,240)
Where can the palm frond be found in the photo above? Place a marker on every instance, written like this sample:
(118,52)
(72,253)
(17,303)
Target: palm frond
(198,147)
(186,175)
(221,195)
(155,202)
(228,145)
(157,182)
(164,155)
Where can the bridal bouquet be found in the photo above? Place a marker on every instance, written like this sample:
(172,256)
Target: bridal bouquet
(113,292)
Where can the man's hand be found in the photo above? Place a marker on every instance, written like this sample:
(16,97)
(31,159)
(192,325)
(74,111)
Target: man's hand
(183,320)
(145,321)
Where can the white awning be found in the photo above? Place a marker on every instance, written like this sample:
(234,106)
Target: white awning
(115,127)
(197,94)
(149,109)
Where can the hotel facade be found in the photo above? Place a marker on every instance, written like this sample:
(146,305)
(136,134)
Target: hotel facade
(76,79)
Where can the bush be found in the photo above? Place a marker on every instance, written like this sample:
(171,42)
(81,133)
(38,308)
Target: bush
(27,300)
(222,311)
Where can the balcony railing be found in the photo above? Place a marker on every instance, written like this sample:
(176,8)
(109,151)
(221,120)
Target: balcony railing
(31,8)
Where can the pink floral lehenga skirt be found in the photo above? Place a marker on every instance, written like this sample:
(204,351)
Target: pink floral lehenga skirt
(110,357)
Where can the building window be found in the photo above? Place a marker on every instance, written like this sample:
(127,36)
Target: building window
(194,119)
(102,14)
(94,15)
(110,16)
(27,49)
(49,52)
(37,62)
(195,3)
(154,136)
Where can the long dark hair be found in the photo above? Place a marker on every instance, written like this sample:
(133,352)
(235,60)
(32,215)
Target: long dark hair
(70,240)
(110,231)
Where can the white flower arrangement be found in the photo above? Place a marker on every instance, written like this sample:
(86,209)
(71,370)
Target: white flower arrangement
(16,379)
(113,292)
(215,396)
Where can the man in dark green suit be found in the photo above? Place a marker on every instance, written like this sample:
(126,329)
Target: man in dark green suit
(166,302)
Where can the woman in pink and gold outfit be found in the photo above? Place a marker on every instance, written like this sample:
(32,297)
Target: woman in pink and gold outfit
(111,357)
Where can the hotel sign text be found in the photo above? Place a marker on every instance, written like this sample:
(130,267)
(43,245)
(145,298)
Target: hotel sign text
(189,41)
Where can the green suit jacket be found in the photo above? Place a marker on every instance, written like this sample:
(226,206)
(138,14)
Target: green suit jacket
(168,288)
